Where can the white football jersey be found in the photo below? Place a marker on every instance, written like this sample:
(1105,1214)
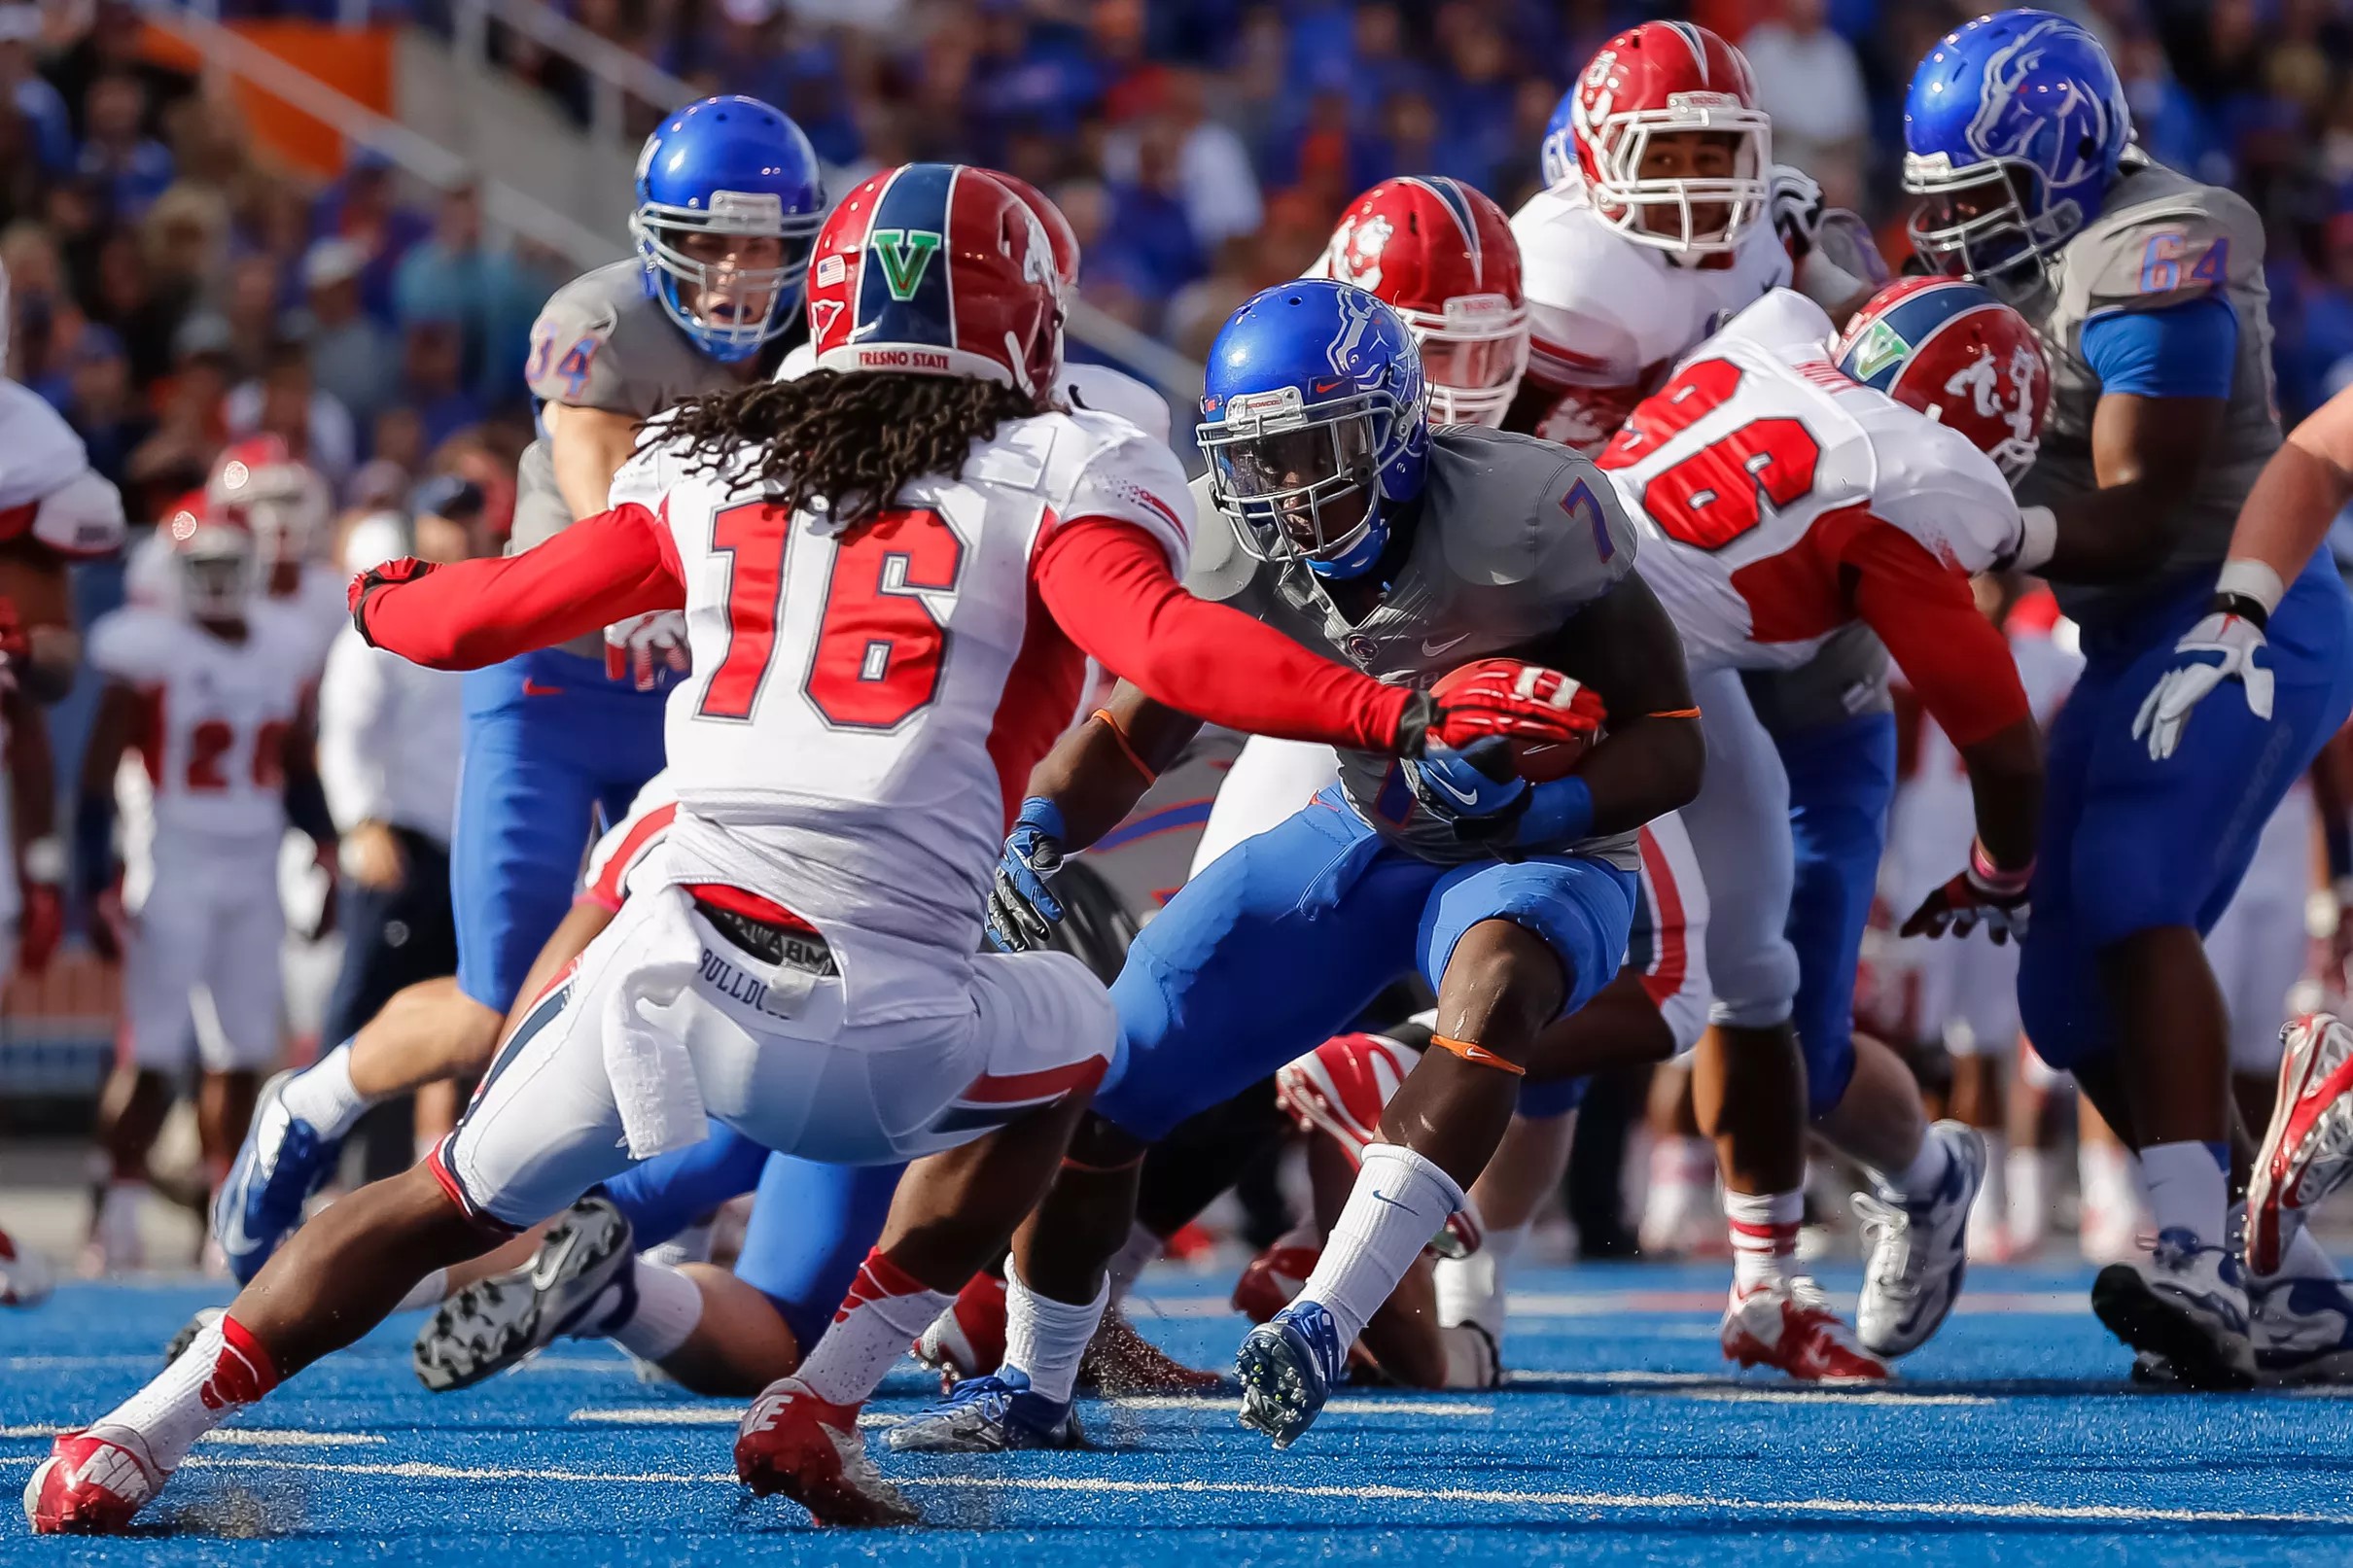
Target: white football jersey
(1757,441)
(216,715)
(1082,386)
(47,485)
(864,710)
(1604,312)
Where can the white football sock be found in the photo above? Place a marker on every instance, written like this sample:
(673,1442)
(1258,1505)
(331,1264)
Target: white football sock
(430,1291)
(886,1308)
(223,1371)
(1470,1290)
(2104,1170)
(322,1095)
(2187,1190)
(1045,1339)
(1399,1202)
(1142,1248)
(1764,1235)
(2029,1202)
(665,1305)
(1924,1176)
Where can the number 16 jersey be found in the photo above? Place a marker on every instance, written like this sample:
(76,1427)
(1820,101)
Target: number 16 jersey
(1759,469)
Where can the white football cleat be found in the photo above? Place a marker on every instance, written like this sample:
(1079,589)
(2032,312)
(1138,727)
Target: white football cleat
(791,1442)
(2185,1301)
(1915,1250)
(2307,1150)
(1788,1324)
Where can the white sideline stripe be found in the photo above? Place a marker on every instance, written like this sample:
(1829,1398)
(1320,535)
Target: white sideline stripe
(257,1436)
(420,1470)
(1536,1305)
(1826,1397)
(729,1414)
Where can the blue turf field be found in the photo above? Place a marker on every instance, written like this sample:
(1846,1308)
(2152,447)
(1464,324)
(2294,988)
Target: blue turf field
(1623,1439)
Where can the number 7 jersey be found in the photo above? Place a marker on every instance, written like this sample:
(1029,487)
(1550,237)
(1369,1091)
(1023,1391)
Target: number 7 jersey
(866,705)
(1757,471)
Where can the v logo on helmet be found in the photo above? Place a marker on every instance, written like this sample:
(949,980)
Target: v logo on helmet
(905,255)
(1880,347)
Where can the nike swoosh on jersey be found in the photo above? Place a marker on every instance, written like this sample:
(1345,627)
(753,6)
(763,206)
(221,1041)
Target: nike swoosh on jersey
(1430,650)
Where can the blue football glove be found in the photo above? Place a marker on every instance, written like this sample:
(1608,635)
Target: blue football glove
(1475,789)
(1023,911)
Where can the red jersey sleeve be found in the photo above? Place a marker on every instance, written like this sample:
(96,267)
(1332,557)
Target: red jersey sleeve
(1955,660)
(602,569)
(1108,586)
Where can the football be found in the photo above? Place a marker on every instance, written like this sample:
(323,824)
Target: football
(1543,761)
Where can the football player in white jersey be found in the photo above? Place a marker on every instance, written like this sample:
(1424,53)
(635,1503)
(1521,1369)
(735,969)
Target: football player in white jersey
(889,570)
(1663,210)
(210,694)
(1782,501)
(287,507)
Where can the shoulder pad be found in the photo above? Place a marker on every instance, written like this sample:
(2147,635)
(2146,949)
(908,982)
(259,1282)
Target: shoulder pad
(1107,391)
(2176,247)
(1101,466)
(82,518)
(1221,571)
(568,364)
(1781,319)
(1935,485)
(647,472)
(39,450)
(1526,510)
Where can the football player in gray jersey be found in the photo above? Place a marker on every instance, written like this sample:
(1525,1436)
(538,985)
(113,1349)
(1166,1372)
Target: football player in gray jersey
(2148,291)
(1415,555)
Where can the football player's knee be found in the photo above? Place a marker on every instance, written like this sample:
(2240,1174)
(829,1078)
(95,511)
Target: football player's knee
(1828,1068)
(1756,980)
(1507,977)
(2059,1002)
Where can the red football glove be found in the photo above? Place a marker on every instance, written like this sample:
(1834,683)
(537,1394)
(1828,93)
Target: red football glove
(1502,697)
(39,927)
(406,569)
(1984,895)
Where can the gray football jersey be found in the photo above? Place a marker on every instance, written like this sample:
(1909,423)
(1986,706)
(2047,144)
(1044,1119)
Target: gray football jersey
(600,341)
(1516,535)
(2163,239)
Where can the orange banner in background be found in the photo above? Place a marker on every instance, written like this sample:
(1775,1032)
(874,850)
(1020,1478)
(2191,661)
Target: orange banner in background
(356,62)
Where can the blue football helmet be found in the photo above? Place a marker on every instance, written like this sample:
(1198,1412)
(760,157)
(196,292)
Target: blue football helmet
(2013,131)
(1315,424)
(731,166)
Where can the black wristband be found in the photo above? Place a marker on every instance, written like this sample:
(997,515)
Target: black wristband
(1413,724)
(2242,605)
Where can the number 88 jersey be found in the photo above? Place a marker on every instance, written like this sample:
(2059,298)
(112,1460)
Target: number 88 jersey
(1759,469)
(866,705)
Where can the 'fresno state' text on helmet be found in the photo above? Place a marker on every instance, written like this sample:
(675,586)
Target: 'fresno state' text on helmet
(1952,350)
(1442,256)
(937,270)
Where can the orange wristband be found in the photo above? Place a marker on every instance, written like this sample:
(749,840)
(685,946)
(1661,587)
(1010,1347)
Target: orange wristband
(1125,748)
(1478,1056)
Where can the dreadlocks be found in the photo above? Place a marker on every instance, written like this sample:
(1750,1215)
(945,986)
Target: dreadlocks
(844,444)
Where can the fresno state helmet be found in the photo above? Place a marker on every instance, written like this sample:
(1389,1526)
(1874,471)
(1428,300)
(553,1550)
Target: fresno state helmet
(216,568)
(281,500)
(937,270)
(1664,78)
(1442,256)
(1952,350)
(1060,237)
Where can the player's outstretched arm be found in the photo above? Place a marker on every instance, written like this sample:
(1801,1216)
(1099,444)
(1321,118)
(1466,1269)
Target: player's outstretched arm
(463,617)
(1626,648)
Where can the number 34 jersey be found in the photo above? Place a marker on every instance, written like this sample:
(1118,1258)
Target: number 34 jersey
(214,718)
(866,707)
(1758,474)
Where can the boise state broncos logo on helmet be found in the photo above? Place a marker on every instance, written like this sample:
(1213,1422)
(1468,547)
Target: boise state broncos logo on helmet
(2050,118)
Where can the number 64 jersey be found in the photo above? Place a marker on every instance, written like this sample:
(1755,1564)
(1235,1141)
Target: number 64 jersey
(1782,501)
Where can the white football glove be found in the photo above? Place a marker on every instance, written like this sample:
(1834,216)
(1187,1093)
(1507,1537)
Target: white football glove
(640,645)
(2219,648)
(1794,198)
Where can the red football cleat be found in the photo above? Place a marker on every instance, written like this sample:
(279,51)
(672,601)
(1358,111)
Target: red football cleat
(793,1442)
(1789,1325)
(1341,1088)
(969,1339)
(2307,1151)
(91,1483)
(1272,1278)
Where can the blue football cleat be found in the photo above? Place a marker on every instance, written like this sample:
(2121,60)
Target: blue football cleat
(991,1414)
(1288,1366)
(282,1161)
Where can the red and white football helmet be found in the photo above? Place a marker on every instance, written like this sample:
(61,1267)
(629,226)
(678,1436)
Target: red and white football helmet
(1662,78)
(1442,257)
(216,566)
(937,270)
(1952,350)
(1060,237)
(281,500)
